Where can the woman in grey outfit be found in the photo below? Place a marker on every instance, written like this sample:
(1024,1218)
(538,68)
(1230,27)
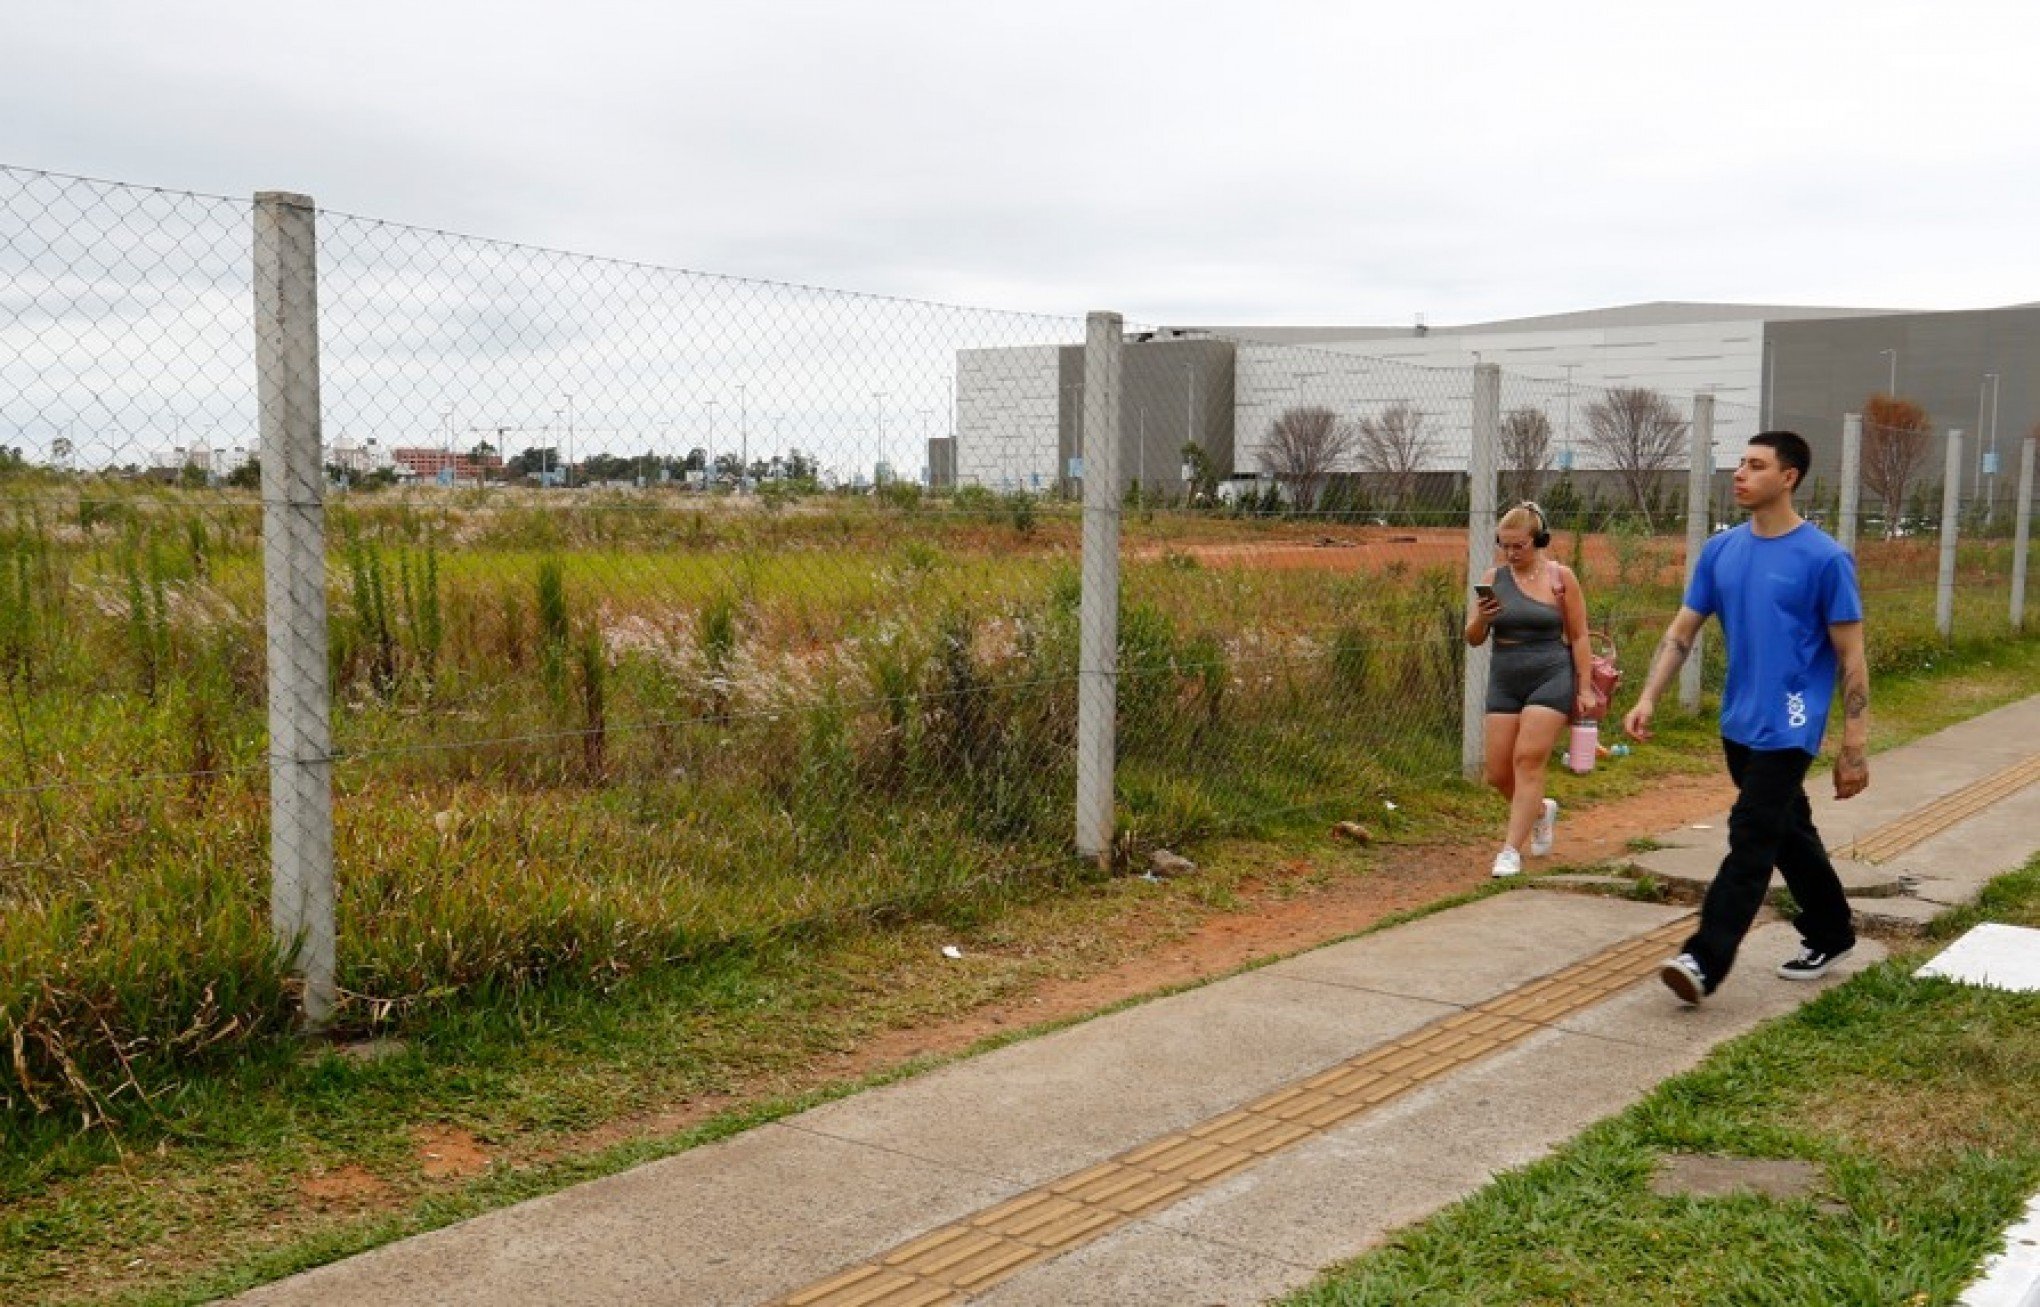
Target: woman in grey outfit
(1537,675)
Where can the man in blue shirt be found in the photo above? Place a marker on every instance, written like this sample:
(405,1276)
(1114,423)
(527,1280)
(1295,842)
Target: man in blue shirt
(1793,618)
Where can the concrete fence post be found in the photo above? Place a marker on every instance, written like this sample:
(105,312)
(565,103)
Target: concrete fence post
(1951,530)
(294,587)
(1098,610)
(1852,480)
(2022,534)
(1481,463)
(1699,521)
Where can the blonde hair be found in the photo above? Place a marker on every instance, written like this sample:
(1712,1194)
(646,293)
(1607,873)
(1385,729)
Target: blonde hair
(1527,516)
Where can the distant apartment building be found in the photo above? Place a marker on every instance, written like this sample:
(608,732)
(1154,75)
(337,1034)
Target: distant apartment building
(356,458)
(413,462)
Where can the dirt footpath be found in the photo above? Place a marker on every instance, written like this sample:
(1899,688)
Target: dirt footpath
(1281,916)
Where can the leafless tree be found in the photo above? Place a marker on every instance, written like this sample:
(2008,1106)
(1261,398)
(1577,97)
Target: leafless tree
(1394,446)
(1637,432)
(1304,446)
(1895,436)
(1526,452)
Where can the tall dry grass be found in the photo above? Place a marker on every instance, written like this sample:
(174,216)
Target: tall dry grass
(584,736)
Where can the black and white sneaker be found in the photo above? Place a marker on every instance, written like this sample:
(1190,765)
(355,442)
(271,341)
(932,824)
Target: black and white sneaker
(1811,964)
(1683,976)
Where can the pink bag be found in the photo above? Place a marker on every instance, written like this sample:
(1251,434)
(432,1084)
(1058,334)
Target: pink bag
(1603,673)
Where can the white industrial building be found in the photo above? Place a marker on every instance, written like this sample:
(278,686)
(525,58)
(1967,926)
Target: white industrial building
(1007,400)
(1766,366)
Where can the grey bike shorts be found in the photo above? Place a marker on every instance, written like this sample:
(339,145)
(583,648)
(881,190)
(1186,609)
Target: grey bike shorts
(1530,676)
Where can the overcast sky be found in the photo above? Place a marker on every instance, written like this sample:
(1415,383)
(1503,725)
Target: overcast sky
(1179,162)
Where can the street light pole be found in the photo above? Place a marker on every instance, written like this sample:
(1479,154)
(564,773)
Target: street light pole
(1986,464)
(878,455)
(1566,458)
(1770,384)
(1891,388)
(708,455)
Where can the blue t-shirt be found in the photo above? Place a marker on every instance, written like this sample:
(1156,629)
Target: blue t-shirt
(1776,598)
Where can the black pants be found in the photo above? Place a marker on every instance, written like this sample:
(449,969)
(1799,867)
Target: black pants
(1770,826)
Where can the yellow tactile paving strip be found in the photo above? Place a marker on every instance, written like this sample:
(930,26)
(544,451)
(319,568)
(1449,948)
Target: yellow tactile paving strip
(955,1262)
(1889,841)
(950,1264)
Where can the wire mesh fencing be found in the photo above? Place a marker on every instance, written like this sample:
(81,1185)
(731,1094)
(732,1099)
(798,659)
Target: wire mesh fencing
(633,629)
(579,617)
(667,643)
(1293,599)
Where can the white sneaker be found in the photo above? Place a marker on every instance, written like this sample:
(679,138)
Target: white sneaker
(1508,862)
(1546,830)
(1682,975)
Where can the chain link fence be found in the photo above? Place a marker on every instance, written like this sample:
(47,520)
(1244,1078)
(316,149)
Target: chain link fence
(392,619)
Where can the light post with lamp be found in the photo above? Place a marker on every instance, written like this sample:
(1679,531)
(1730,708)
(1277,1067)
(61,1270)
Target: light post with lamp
(1770,384)
(1565,455)
(878,455)
(708,454)
(743,439)
(567,471)
(1140,463)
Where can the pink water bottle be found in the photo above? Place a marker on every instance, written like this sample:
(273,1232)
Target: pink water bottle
(1580,750)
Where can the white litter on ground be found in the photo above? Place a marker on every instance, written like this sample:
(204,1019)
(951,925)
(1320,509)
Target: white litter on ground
(1999,957)
(2011,1278)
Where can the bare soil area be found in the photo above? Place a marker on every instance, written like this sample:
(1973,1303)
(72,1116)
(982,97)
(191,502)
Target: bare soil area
(1285,910)
(1279,918)
(1146,944)
(1345,549)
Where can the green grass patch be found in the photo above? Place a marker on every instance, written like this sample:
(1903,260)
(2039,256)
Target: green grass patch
(1913,1097)
(642,799)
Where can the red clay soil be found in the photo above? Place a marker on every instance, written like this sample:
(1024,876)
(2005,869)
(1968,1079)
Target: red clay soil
(1373,548)
(1279,918)
(1284,911)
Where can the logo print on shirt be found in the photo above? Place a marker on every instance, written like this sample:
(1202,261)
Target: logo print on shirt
(1795,708)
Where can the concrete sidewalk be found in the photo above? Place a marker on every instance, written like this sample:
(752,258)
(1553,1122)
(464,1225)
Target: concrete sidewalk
(1223,1145)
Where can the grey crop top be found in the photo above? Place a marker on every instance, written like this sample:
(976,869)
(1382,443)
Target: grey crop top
(1524,620)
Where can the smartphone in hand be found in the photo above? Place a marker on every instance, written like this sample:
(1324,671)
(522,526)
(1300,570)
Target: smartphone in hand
(1483,591)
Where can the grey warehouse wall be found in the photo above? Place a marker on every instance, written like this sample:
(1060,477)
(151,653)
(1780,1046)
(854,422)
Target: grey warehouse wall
(1172,392)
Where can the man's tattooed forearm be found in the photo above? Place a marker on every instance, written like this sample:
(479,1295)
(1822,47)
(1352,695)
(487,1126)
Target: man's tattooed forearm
(1855,701)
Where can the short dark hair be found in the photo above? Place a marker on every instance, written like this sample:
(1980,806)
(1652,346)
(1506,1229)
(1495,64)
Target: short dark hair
(1792,450)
